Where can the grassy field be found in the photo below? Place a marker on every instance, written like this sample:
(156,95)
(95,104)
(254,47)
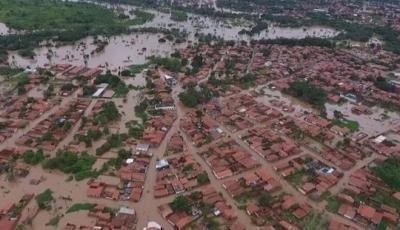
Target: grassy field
(56,15)
(60,21)
(353,126)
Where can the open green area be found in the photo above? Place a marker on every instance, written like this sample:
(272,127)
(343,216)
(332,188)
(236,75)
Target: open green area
(58,20)
(191,97)
(54,221)
(57,15)
(297,178)
(333,204)
(113,141)
(81,206)
(181,204)
(8,72)
(307,92)
(172,64)
(107,114)
(33,158)
(353,126)
(140,111)
(43,199)
(116,84)
(179,16)
(389,172)
(89,137)
(68,162)
(136,69)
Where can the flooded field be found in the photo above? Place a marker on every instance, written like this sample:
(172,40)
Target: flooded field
(121,51)
(379,121)
(125,50)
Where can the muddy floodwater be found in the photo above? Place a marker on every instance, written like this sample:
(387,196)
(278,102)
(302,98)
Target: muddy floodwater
(121,51)
(379,121)
(376,123)
(125,50)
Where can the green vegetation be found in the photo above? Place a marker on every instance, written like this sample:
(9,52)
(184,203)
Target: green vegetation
(265,200)
(179,16)
(54,221)
(389,105)
(171,64)
(61,21)
(140,110)
(89,90)
(213,224)
(43,199)
(117,85)
(81,206)
(136,69)
(383,225)
(382,197)
(197,63)
(119,160)
(383,84)
(27,53)
(19,81)
(135,129)
(389,172)
(115,140)
(33,158)
(107,114)
(191,97)
(181,204)
(8,72)
(68,162)
(333,204)
(353,126)
(57,15)
(203,178)
(297,178)
(321,42)
(308,93)
(141,17)
(91,135)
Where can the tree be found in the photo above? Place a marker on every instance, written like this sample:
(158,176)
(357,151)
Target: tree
(212,224)
(197,63)
(190,97)
(203,178)
(265,200)
(308,92)
(181,204)
(43,199)
(33,158)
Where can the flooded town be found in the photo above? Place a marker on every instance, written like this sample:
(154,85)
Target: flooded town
(199,114)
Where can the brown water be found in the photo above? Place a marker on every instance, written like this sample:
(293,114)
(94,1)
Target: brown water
(370,124)
(121,51)
(126,50)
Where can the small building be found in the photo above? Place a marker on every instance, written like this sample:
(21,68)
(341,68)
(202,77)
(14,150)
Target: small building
(162,164)
(142,148)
